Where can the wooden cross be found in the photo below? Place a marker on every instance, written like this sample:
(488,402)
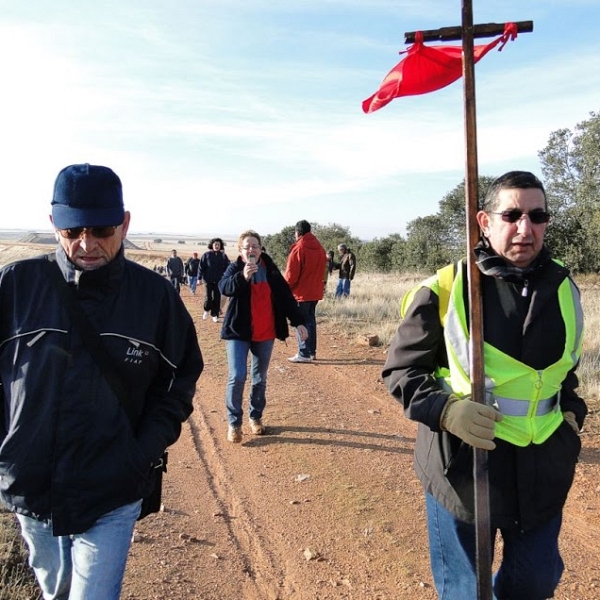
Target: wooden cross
(467,32)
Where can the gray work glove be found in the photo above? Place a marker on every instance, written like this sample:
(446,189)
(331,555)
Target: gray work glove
(470,421)
(569,417)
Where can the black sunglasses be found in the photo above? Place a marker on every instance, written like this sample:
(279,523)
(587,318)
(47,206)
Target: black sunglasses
(537,217)
(75,233)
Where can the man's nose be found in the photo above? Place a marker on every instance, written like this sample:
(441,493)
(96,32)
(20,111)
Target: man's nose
(524,224)
(87,240)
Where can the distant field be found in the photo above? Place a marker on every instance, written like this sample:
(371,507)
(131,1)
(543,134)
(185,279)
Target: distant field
(148,249)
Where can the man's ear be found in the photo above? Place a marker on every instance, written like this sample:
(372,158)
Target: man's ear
(126,222)
(483,220)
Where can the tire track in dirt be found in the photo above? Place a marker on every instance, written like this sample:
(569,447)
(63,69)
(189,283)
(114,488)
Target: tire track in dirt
(251,547)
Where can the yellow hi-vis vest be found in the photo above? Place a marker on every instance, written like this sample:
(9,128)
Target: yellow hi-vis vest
(528,398)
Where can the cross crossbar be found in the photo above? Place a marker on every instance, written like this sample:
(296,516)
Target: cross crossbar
(446,34)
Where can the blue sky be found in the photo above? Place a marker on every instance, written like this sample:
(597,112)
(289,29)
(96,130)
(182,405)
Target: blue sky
(220,115)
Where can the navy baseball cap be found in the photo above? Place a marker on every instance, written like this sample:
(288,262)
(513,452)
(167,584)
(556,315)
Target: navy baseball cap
(87,196)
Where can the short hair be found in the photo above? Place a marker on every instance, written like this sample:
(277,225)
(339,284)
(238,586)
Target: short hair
(249,233)
(509,181)
(302,227)
(342,247)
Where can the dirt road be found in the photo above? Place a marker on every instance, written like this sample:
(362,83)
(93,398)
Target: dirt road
(326,506)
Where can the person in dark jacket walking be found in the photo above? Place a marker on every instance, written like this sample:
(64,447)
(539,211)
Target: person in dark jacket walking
(192,269)
(260,304)
(75,462)
(175,270)
(530,423)
(305,273)
(212,266)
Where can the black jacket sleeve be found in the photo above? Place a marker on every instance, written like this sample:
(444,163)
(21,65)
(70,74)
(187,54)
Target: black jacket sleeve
(416,349)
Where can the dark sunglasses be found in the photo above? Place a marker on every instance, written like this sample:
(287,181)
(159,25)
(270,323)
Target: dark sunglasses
(98,232)
(537,217)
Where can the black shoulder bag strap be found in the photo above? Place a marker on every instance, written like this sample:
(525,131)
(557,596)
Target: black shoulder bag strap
(88,334)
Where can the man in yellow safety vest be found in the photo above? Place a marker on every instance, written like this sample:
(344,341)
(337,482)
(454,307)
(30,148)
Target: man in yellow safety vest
(533,329)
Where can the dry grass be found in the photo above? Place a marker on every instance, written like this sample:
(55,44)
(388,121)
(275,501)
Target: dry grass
(373,306)
(16,579)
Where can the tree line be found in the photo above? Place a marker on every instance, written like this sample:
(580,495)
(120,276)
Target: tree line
(570,165)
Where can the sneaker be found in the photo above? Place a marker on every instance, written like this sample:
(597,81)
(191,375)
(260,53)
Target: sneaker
(234,434)
(215,319)
(298,358)
(256,427)
(204,316)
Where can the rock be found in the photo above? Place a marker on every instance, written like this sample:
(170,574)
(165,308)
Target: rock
(311,554)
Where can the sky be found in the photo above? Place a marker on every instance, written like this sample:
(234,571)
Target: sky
(224,115)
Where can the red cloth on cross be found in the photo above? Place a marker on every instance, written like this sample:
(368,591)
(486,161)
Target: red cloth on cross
(428,68)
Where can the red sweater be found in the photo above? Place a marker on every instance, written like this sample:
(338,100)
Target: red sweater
(305,269)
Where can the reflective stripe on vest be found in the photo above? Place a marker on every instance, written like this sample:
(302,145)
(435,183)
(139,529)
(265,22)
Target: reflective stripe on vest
(527,398)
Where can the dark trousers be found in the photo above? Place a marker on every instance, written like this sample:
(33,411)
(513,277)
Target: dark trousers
(212,300)
(308,347)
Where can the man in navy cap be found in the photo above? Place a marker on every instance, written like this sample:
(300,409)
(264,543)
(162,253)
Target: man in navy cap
(76,456)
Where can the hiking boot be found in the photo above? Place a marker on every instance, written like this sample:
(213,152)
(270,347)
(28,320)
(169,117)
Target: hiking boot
(298,358)
(256,427)
(234,434)
(204,315)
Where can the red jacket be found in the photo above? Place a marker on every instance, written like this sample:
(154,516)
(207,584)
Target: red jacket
(305,269)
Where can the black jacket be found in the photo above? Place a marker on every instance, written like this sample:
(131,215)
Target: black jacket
(175,267)
(237,323)
(192,266)
(529,485)
(68,450)
(213,265)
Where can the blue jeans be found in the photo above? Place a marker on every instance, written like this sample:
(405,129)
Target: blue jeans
(237,361)
(343,288)
(193,283)
(531,563)
(83,566)
(308,347)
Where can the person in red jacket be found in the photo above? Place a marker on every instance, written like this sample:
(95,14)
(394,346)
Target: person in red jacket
(305,274)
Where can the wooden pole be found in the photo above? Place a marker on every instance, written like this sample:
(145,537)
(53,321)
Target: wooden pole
(480,471)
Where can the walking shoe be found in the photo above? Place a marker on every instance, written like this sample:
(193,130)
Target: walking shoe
(298,358)
(256,427)
(204,316)
(234,434)
(215,319)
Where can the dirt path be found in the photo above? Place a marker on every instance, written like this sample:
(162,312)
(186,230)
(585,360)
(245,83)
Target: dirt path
(325,506)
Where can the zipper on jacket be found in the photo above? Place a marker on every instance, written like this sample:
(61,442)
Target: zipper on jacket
(525,290)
